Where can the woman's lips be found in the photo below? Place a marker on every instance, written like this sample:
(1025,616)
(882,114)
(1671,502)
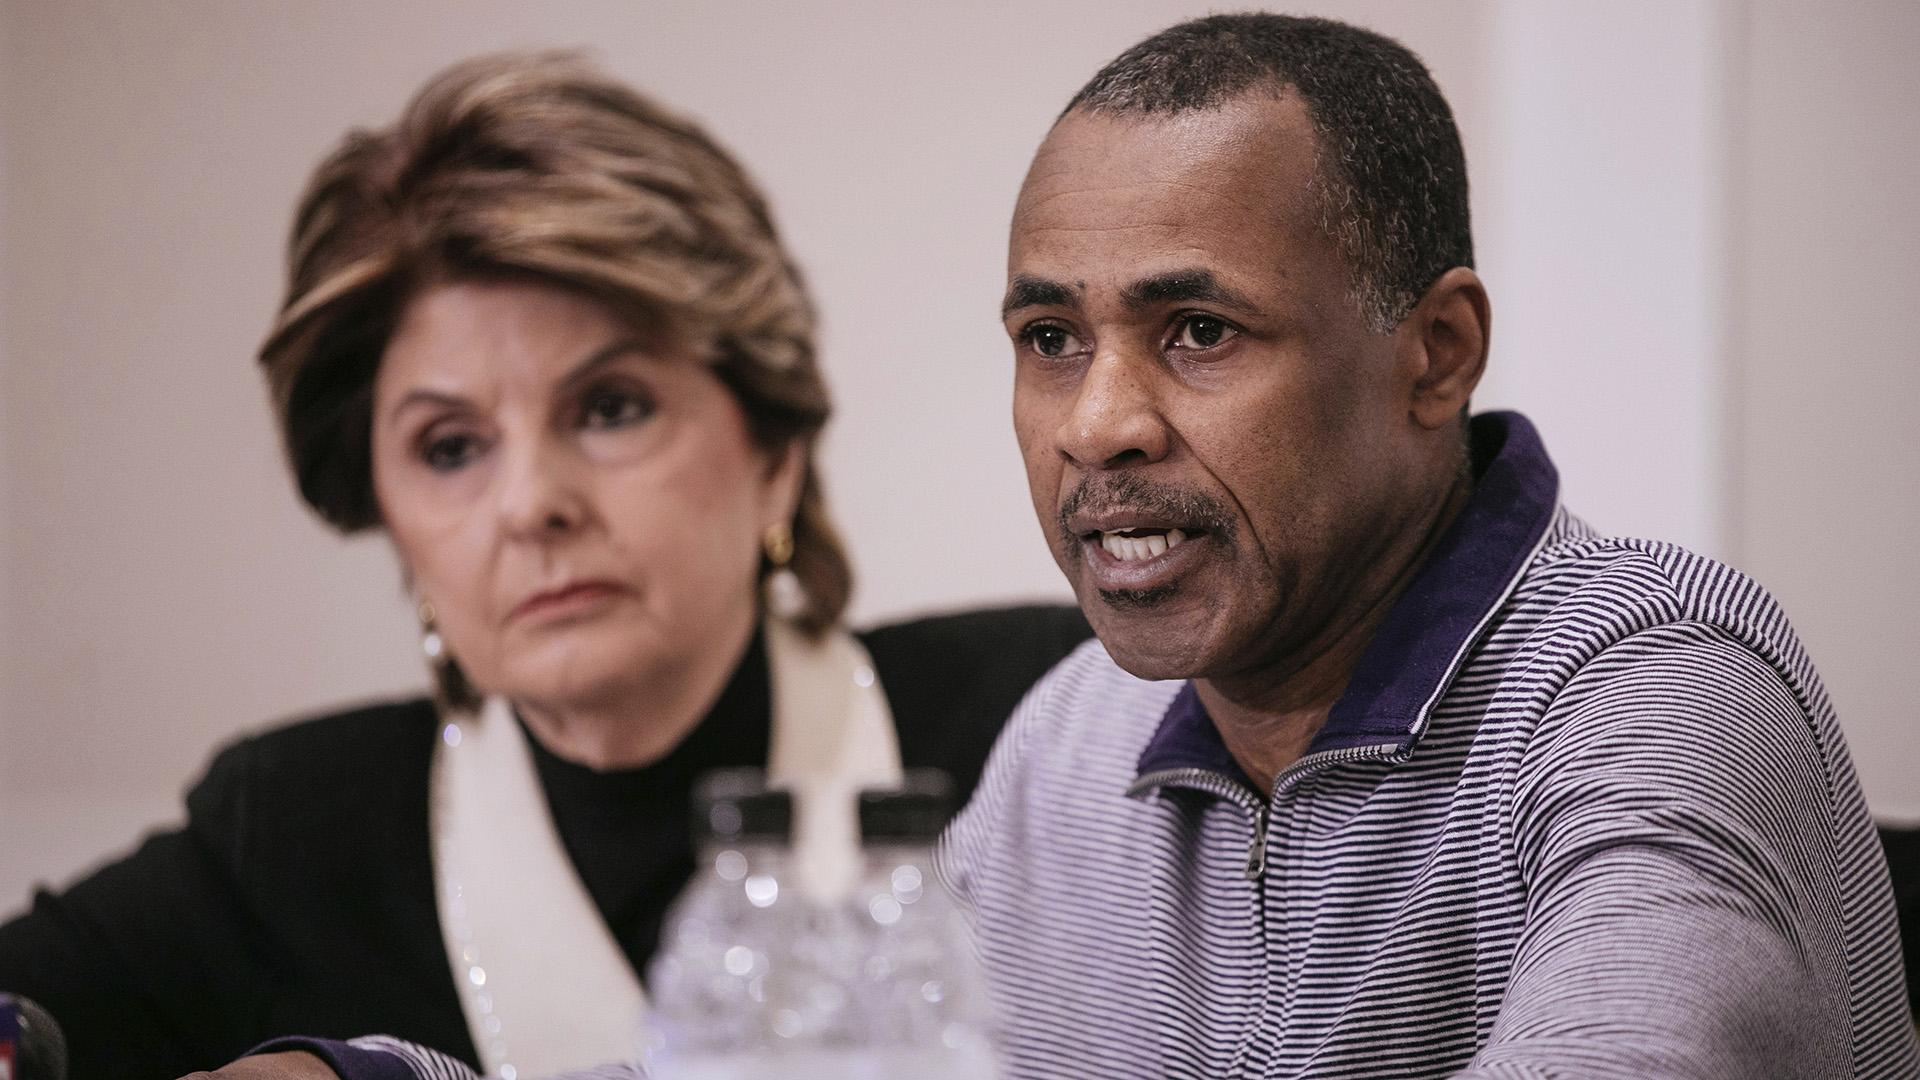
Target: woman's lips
(568,601)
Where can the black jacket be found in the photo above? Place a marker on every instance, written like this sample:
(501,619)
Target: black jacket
(299,897)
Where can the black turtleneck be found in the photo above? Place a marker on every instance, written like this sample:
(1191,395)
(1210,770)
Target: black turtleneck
(629,832)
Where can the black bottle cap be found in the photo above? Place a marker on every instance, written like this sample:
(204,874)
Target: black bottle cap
(915,812)
(735,805)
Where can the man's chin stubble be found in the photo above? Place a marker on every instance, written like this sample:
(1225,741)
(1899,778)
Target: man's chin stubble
(1137,599)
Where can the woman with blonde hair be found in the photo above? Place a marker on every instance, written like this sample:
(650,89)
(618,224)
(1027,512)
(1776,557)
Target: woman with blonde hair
(544,335)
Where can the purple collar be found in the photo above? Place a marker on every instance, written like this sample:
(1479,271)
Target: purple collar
(1426,637)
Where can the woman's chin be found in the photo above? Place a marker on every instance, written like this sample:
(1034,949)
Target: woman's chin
(581,671)
(613,670)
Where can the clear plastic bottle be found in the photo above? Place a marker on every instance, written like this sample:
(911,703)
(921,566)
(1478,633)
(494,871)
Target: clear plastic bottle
(709,985)
(755,980)
(924,998)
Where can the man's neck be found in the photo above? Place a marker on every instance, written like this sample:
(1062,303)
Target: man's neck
(1268,718)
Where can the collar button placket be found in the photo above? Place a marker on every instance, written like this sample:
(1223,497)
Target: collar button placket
(1255,1050)
(1278,960)
(1257,847)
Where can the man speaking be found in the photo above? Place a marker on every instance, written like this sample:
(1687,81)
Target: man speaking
(1384,764)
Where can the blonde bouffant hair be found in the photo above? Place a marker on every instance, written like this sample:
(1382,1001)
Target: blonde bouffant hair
(538,166)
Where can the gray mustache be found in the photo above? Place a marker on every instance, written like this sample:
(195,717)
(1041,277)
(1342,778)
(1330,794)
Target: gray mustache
(1129,493)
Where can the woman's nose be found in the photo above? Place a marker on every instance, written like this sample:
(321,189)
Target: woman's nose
(541,491)
(1115,420)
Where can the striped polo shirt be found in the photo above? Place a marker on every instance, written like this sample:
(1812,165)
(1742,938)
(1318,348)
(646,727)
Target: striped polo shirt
(1583,811)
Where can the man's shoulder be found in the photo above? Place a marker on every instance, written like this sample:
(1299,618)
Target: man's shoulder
(1588,566)
(1647,642)
(952,680)
(1607,588)
(1089,680)
(1058,774)
(1636,629)
(1088,717)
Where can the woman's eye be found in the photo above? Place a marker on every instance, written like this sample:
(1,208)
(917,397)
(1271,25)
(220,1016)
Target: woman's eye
(1202,332)
(445,453)
(614,408)
(1050,340)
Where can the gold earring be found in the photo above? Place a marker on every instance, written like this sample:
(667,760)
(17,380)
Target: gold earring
(431,643)
(778,544)
(451,691)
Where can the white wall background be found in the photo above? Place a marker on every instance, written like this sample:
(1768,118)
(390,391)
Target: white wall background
(1823,469)
(1603,252)
(1691,215)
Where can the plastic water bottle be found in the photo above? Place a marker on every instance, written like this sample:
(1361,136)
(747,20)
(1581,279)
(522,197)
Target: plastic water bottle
(725,937)
(924,998)
(756,980)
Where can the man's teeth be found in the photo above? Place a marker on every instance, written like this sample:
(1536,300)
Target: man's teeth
(1136,548)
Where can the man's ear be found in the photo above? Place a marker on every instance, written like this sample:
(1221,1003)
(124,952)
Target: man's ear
(1444,343)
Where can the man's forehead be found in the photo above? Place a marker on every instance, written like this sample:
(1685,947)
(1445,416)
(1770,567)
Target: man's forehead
(1113,197)
(1256,140)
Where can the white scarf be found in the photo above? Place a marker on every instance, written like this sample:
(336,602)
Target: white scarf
(544,986)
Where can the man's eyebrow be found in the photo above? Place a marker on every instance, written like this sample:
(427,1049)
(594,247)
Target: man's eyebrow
(1025,291)
(1176,286)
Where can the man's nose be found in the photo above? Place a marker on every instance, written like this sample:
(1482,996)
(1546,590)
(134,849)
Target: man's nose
(1115,421)
(541,493)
